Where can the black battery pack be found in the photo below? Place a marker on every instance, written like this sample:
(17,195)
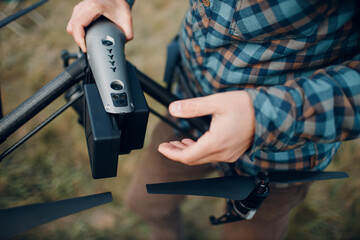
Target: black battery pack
(110,135)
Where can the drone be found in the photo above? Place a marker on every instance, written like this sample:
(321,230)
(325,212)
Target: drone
(107,93)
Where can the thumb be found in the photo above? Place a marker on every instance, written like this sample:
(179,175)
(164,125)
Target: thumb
(193,107)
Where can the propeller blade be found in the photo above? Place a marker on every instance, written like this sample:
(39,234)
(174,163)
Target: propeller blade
(18,219)
(231,187)
(303,176)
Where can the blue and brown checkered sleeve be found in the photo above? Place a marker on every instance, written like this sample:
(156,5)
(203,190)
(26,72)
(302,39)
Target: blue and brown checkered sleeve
(322,108)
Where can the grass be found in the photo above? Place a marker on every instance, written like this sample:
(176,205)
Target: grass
(54,164)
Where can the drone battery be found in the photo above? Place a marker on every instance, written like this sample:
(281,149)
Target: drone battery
(102,135)
(109,135)
(134,123)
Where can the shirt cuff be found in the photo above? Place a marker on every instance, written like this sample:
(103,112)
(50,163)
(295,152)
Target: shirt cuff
(273,119)
(130,2)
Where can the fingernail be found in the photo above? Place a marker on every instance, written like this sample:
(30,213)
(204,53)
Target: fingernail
(175,107)
(83,48)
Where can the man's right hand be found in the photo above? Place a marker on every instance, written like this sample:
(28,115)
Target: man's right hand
(118,11)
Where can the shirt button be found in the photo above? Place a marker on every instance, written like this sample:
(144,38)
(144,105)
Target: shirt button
(206,3)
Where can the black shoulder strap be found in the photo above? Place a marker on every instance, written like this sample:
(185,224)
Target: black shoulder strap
(172,59)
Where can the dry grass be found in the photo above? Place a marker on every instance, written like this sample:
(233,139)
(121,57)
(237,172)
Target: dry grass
(54,165)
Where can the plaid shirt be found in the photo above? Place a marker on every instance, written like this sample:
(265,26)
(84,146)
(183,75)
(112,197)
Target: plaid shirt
(297,60)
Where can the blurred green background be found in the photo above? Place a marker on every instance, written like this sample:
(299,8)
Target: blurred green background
(54,164)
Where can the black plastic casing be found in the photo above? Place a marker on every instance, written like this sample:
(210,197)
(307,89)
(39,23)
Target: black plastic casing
(109,135)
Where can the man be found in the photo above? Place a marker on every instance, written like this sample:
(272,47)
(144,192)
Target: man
(281,81)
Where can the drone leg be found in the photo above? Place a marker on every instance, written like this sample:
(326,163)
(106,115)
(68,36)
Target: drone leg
(229,216)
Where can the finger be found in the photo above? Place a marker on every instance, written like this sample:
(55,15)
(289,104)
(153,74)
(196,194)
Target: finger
(175,153)
(187,141)
(203,147)
(178,144)
(79,36)
(128,31)
(69,29)
(174,146)
(169,150)
(124,22)
(192,153)
(209,157)
(215,158)
(194,107)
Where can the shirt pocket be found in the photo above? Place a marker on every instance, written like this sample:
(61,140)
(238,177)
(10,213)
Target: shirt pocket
(259,20)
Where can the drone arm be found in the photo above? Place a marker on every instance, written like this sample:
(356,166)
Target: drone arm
(20,13)
(39,100)
(163,96)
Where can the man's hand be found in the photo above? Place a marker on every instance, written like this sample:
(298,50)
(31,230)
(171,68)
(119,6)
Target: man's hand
(118,11)
(231,131)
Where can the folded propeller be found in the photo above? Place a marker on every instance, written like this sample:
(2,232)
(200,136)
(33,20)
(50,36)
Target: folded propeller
(244,194)
(18,219)
(236,187)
